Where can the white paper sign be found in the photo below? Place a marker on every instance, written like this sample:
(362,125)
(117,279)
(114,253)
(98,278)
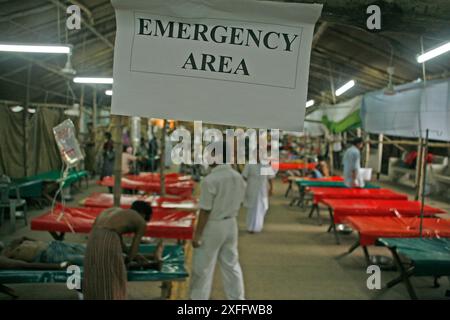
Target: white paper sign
(235,62)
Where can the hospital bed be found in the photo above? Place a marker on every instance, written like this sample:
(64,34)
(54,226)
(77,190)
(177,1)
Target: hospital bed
(179,188)
(370,229)
(319,193)
(173,269)
(292,179)
(284,166)
(303,185)
(151,176)
(424,258)
(339,209)
(167,224)
(106,200)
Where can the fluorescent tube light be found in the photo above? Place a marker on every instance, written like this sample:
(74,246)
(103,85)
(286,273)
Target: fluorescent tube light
(34,48)
(345,88)
(433,53)
(309,103)
(93,80)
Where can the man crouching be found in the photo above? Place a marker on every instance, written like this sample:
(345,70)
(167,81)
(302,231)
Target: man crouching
(105,275)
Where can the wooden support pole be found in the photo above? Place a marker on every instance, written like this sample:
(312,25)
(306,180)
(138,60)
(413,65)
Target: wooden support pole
(380,155)
(117,123)
(367,151)
(24,119)
(331,156)
(82,114)
(94,109)
(163,159)
(358,132)
(423,181)
(398,143)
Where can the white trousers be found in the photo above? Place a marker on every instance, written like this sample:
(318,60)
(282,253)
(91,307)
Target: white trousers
(255,219)
(219,242)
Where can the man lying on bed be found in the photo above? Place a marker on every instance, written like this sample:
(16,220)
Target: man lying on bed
(25,253)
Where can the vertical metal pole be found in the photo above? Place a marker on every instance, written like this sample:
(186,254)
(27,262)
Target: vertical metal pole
(380,155)
(421,157)
(163,159)
(117,140)
(423,181)
(424,72)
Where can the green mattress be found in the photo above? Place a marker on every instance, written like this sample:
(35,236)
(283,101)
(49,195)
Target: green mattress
(430,256)
(329,184)
(173,269)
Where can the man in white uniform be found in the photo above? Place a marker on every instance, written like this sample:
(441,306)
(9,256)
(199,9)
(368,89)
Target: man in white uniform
(216,236)
(259,188)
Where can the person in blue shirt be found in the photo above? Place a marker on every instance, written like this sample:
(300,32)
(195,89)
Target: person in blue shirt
(352,163)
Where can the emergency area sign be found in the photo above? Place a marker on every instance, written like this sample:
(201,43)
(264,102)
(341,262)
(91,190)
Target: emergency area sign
(234,62)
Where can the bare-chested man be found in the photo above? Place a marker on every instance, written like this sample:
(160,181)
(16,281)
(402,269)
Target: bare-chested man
(105,276)
(30,254)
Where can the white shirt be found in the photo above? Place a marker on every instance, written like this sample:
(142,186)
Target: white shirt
(222,192)
(257,185)
(351,161)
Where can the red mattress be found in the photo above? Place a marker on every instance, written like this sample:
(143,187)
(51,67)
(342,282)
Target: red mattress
(106,200)
(183,188)
(170,224)
(151,176)
(283,166)
(354,193)
(367,207)
(372,228)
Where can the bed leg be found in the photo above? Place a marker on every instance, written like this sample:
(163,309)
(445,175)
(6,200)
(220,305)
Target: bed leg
(404,274)
(294,199)
(366,255)
(8,291)
(436,282)
(333,227)
(288,189)
(332,224)
(301,200)
(166,290)
(57,236)
(319,218)
(353,247)
(313,207)
(350,250)
(336,236)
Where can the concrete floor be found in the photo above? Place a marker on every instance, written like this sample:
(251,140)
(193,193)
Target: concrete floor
(293,258)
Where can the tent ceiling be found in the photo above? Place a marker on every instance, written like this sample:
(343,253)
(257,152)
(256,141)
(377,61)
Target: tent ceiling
(342,48)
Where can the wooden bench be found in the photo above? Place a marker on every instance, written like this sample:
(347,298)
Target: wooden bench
(442,178)
(398,172)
